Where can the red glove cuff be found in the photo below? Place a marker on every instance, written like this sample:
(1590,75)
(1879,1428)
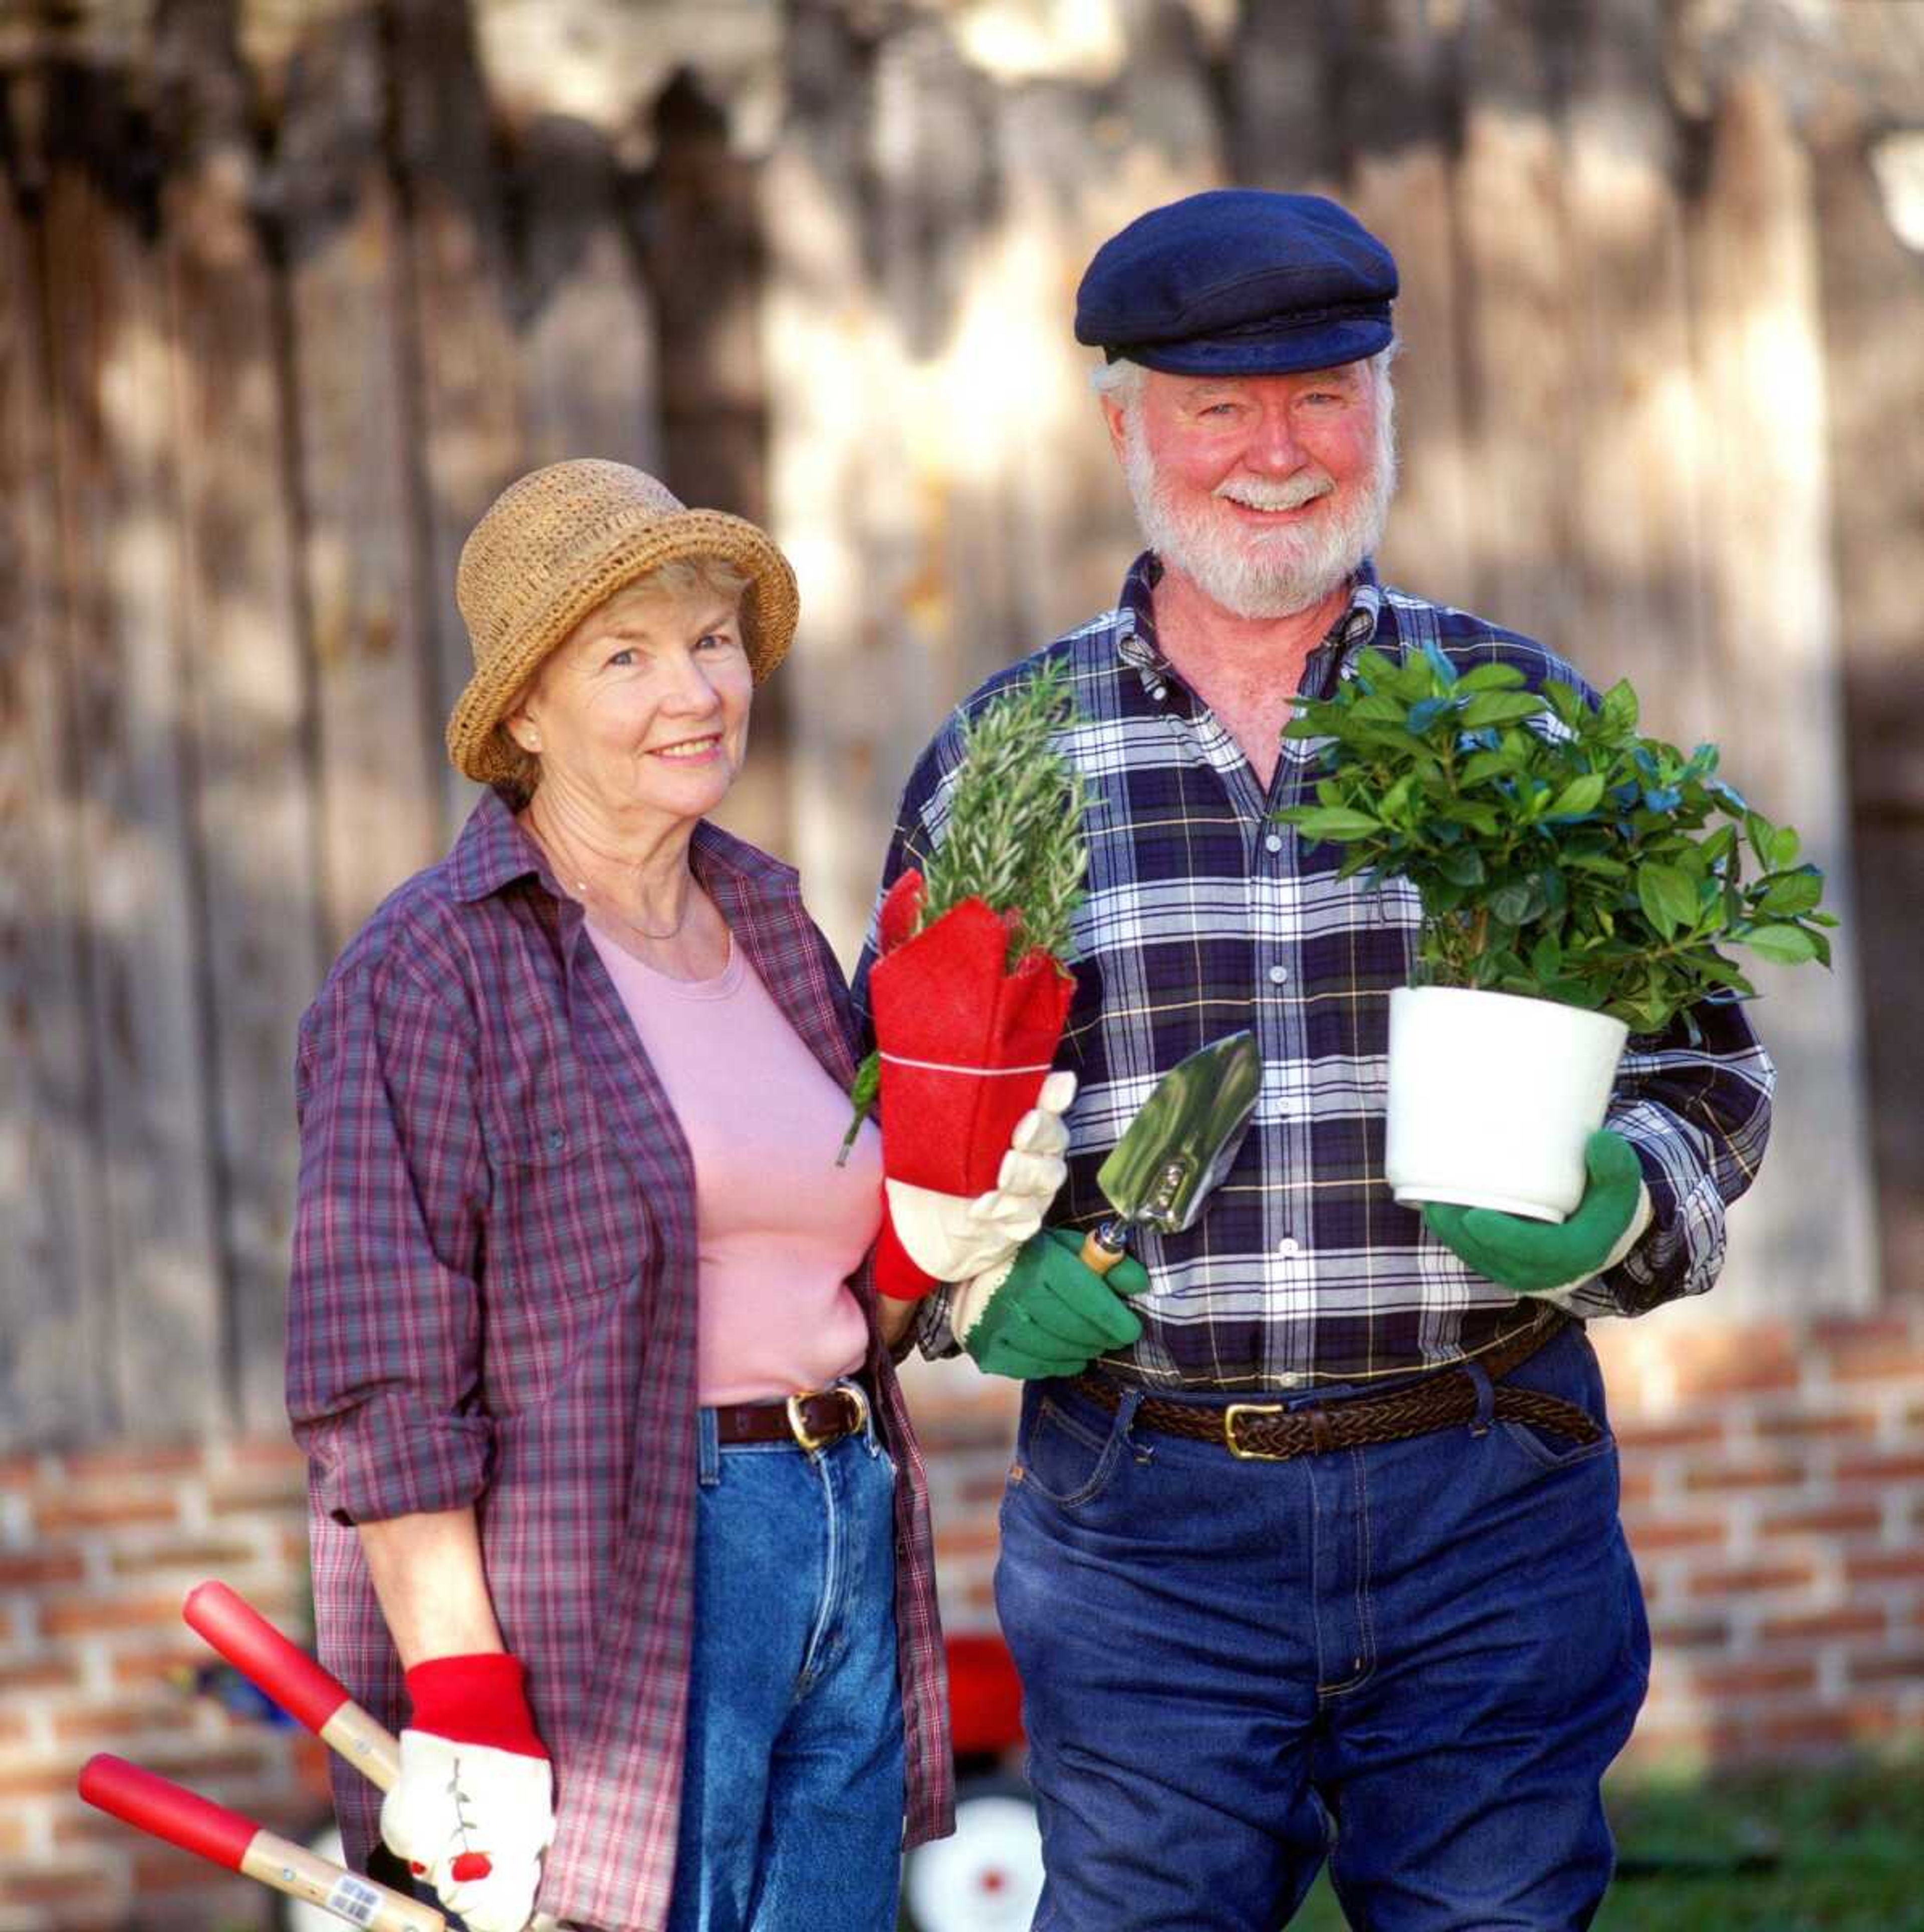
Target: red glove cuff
(897,1274)
(476,1700)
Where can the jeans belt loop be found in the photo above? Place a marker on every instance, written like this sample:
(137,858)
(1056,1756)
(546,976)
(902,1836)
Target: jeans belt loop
(1125,1414)
(1486,1397)
(707,1449)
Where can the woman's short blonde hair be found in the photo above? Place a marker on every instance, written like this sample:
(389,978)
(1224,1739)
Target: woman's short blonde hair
(682,577)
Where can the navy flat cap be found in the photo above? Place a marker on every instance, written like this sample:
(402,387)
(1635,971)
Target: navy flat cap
(1239,282)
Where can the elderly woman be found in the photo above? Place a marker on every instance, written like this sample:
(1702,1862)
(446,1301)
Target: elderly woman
(608,1455)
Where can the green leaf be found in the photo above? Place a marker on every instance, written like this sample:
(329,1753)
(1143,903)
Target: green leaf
(1490,677)
(1463,867)
(1667,895)
(1546,959)
(1426,711)
(1484,765)
(1501,707)
(1579,798)
(1481,818)
(1510,904)
(1333,823)
(1795,893)
(1445,671)
(1788,945)
(1619,707)
(1567,702)
(1376,709)
(1784,846)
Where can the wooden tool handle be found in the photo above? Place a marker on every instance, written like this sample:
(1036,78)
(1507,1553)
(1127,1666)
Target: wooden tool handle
(301,1873)
(164,1810)
(1103,1246)
(266,1658)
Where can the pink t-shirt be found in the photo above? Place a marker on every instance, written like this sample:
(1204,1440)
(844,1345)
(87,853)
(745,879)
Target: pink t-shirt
(780,1227)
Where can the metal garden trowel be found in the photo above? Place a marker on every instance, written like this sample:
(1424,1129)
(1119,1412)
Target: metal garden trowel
(1182,1141)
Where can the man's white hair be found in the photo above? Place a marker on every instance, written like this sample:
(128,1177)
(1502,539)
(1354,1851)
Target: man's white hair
(1270,573)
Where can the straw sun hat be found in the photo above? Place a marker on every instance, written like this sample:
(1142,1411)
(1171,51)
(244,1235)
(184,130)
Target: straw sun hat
(558,543)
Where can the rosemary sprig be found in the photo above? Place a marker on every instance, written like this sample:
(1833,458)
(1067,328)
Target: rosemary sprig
(1013,838)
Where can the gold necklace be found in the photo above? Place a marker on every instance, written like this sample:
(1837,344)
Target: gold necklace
(583,892)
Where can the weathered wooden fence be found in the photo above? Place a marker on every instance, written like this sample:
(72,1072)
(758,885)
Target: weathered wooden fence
(287,292)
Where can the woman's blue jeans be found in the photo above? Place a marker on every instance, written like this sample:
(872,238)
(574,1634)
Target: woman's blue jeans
(1414,1660)
(792,1804)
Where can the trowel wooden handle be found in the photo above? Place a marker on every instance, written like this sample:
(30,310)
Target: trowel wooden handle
(1103,1246)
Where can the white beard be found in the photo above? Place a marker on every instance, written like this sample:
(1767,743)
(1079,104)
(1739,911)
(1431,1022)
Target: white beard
(1272,573)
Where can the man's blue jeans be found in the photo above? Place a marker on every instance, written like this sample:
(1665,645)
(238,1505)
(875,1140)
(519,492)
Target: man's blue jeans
(791,1807)
(1415,1659)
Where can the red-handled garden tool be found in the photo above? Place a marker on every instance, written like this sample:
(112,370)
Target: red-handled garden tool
(292,1678)
(164,1810)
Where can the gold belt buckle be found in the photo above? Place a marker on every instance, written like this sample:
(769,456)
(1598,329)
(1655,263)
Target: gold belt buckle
(799,1429)
(1242,1455)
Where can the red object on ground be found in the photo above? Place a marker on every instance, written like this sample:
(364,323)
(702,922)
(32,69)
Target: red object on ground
(984,1696)
(261,1653)
(155,1804)
(965,1045)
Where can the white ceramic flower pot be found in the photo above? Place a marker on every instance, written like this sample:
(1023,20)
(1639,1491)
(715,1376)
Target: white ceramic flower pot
(1491,1098)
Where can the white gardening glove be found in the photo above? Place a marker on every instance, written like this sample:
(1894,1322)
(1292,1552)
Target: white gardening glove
(474,1818)
(953,1237)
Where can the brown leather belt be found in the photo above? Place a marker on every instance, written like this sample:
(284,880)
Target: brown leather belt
(811,1420)
(1268,1432)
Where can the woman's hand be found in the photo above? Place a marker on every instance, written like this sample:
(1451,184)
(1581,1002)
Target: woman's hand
(473,1809)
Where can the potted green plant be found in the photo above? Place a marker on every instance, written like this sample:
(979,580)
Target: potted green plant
(1579,882)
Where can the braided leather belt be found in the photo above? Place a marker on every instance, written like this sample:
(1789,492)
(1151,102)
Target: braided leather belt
(1268,1432)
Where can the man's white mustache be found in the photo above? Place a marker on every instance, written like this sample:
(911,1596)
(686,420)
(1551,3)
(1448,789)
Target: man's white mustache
(1256,494)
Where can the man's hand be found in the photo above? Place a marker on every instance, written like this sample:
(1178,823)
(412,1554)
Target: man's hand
(1041,1312)
(473,1808)
(954,1237)
(1534,1258)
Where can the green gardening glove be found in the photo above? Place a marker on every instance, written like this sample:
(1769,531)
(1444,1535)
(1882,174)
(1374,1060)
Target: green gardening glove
(1042,1312)
(1534,1258)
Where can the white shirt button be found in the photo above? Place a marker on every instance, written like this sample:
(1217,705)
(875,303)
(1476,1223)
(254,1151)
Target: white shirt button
(1159,692)
(1277,974)
(1288,1245)
(1273,843)
(1290,1379)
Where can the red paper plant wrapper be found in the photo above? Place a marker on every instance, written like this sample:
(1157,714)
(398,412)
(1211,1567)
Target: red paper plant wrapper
(965,1045)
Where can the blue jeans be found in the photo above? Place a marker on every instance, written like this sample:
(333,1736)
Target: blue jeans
(1415,1659)
(791,1806)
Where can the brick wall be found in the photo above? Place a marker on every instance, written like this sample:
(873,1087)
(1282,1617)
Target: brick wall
(1773,1479)
(97,1551)
(1773,1484)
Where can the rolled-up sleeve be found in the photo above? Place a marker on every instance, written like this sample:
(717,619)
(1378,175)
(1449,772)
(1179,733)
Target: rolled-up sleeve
(384,1313)
(1698,1111)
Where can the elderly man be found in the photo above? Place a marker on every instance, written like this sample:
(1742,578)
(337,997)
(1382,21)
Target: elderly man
(1245,1648)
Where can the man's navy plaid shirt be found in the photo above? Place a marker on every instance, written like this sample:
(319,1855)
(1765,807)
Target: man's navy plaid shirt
(1203,916)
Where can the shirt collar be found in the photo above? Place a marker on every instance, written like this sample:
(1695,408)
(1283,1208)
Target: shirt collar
(1135,642)
(492,851)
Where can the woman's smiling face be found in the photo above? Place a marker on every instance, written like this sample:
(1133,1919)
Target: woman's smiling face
(643,710)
